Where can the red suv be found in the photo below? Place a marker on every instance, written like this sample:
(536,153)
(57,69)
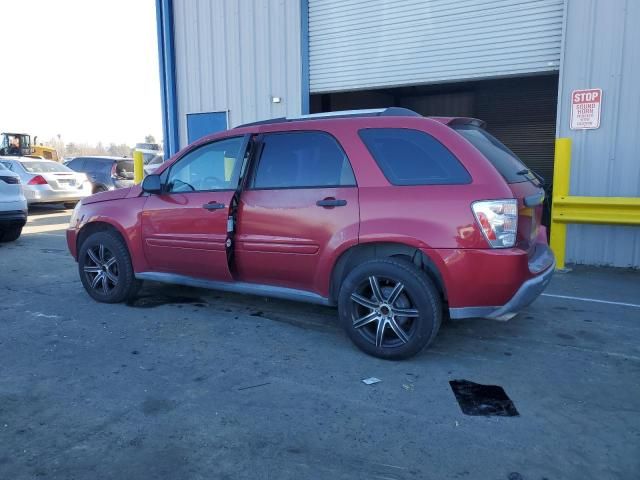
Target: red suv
(394,218)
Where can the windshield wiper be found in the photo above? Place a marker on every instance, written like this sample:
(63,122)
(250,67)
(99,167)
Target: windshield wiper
(525,171)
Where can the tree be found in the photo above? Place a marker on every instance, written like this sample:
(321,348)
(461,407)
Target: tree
(149,139)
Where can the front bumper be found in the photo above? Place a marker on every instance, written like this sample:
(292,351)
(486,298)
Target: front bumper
(72,235)
(525,295)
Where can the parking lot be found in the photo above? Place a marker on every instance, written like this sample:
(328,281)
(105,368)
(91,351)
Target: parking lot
(192,384)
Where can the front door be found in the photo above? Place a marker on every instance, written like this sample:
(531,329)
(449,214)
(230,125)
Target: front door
(184,229)
(299,207)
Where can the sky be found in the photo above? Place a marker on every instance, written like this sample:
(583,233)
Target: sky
(84,69)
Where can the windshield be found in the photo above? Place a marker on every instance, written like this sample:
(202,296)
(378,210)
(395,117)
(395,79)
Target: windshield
(503,159)
(44,167)
(147,157)
(15,144)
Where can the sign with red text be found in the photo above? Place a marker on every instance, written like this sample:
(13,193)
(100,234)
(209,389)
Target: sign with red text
(585,109)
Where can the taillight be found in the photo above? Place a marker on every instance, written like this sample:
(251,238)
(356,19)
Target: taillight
(11,180)
(37,180)
(498,220)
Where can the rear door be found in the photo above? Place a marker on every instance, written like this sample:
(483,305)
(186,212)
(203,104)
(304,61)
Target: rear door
(184,229)
(522,182)
(301,205)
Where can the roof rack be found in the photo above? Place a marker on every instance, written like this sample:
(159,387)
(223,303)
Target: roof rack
(372,112)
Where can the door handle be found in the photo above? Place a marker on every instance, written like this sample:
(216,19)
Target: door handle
(331,202)
(213,206)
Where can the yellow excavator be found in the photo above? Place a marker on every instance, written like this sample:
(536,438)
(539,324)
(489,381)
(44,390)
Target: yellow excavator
(49,153)
(19,144)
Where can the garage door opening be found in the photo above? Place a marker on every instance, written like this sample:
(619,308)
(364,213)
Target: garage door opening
(521,112)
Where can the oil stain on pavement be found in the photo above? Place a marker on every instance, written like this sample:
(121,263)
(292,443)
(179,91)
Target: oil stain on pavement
(151,301)
(483,400)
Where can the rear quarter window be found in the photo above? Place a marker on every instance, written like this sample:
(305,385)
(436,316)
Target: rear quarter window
(413,157)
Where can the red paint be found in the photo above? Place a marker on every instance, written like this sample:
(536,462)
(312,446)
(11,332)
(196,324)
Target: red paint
(180,236)
(283,238)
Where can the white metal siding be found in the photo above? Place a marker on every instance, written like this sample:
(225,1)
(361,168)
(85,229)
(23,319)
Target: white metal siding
(601,51)
(360,44)
(235,55)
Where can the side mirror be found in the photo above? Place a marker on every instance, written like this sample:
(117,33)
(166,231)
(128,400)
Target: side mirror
(152,184)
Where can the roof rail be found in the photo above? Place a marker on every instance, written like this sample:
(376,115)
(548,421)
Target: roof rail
(372,112)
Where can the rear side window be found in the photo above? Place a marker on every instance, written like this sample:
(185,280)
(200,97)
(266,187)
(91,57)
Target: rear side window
(302,160)
(44,167)
(76,164)
(503,159)
(124,169)
(413,157)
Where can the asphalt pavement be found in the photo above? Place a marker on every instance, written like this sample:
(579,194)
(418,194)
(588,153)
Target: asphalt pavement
(193,384)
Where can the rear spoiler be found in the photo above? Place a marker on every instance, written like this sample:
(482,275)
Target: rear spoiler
(453,121)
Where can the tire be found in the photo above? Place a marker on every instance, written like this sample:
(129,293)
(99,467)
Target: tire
(383,332)
(10,234)
(104,254)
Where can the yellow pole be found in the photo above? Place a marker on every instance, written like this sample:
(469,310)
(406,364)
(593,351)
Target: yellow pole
(561,172)
(138,164)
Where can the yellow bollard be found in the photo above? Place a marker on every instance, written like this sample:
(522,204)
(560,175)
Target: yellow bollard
(138,167)
(561,172)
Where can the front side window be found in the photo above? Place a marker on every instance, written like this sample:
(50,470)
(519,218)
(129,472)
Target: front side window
(413,157)
(214,166)
(302,160)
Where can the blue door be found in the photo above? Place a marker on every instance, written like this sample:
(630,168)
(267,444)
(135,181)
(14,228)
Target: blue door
(201,124)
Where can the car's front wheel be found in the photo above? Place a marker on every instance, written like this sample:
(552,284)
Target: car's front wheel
(389,308)
(105,268)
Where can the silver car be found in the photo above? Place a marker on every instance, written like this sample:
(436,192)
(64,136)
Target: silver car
(46,181)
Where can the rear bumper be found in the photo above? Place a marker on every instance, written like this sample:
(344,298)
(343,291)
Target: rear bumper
(526,294)
(493,283)
(13,217)
(48,195)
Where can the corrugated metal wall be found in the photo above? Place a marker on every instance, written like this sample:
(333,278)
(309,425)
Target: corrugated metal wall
(360,44)
(235,55)
(602,44)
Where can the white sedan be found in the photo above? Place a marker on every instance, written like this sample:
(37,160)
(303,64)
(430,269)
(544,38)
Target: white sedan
(46,181)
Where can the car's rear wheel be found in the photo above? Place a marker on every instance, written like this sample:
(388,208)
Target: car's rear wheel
(105,268)
(390,308)
(10,234)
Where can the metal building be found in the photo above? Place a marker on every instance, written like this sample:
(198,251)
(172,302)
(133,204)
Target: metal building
(513,64)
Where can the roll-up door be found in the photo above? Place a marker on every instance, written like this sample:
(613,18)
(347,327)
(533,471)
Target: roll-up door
(361,44)
(522,114)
